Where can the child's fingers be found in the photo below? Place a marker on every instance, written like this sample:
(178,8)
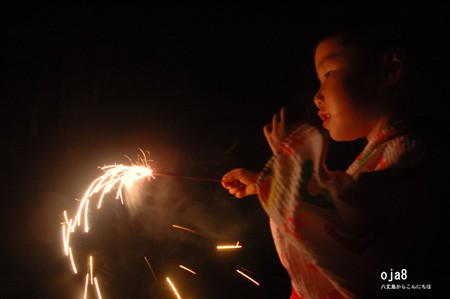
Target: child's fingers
(282,114)
(275,120)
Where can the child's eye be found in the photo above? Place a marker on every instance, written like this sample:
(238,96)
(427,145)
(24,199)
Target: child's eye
(328,74)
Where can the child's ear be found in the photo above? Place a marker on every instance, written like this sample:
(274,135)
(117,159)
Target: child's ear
(393,62)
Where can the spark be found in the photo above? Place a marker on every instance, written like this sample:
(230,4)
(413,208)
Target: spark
(67,237)
(74,266)
(86,216)
(91,266)
(86,286)
(150,267)
(64,238)
(187,269)
(66,234)
(66,217)
(184,228)
(173,288)
(97,288)
(236,246)
(248,277)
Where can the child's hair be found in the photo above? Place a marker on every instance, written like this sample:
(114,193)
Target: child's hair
(374,31)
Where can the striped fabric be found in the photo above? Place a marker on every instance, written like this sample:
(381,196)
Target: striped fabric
(316,230)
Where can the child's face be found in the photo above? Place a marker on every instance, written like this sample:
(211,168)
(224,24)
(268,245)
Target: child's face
(337,96)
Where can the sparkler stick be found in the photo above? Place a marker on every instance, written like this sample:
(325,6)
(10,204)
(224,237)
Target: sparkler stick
(185,177)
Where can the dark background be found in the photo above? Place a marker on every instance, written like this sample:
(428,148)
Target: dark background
(83,85)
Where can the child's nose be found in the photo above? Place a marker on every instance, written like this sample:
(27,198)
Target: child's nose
(318,99)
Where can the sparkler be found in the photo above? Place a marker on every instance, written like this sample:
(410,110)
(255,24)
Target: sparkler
(115,176)
(115,179)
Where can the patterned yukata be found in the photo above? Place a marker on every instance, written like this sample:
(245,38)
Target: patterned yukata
(320,231)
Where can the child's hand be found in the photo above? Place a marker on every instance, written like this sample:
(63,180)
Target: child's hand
(240,182)
(276,131)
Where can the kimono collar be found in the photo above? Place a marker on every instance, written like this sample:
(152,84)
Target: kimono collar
(384,134)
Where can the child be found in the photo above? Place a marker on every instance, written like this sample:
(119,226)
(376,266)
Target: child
(350,234)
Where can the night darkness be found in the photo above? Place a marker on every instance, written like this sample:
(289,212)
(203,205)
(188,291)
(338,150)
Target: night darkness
(84,85)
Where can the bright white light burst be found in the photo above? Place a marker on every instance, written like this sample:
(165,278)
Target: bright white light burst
(115,178)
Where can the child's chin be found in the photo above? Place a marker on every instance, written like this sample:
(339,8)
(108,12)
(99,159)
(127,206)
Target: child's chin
(335,136)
